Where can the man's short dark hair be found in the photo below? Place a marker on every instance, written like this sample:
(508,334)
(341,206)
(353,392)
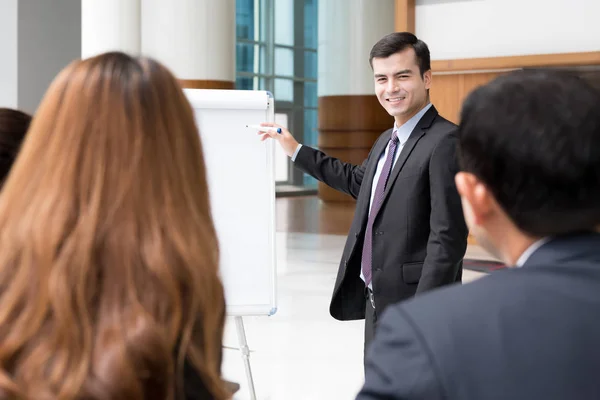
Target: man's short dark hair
(399,41)
(533,138)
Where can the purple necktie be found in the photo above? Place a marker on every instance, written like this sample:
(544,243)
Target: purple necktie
(367,252)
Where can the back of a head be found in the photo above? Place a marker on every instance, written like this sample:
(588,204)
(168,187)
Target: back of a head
(108,253)
(13,127)
(533,138)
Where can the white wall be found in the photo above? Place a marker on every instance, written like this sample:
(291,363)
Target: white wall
(9,54)
(489,28)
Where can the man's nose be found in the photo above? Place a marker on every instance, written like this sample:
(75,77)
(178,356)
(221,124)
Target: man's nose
(393,86)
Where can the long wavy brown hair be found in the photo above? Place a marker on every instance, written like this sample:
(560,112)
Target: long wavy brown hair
(109,277)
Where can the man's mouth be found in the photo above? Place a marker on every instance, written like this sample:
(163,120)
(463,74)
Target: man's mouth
(395,99)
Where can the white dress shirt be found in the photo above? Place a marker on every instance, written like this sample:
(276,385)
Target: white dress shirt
(530,250)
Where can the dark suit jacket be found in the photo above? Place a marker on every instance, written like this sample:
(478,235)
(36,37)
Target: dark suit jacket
(419,236)
(523,333)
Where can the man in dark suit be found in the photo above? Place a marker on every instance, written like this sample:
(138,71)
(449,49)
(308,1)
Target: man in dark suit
(408,234)
(529,146)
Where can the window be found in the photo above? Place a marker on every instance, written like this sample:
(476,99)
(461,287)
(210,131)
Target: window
(276,50)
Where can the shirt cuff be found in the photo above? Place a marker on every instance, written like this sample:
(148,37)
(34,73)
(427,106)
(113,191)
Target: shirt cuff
(296,152)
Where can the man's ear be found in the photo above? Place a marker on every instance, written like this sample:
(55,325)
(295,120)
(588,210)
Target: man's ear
(427,77)
(476,195)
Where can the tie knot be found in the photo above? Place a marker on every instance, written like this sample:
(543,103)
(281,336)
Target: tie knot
(394,138)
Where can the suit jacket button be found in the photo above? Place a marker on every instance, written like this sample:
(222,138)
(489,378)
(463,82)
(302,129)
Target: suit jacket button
(356,235)
(345,263)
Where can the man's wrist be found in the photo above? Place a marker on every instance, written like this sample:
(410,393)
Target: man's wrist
(296,152)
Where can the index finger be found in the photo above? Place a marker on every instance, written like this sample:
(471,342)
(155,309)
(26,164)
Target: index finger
(272,125)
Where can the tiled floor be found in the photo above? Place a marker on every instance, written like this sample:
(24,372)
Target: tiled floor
(302,353)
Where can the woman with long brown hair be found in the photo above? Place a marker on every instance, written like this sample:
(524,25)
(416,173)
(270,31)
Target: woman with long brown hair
(109,285)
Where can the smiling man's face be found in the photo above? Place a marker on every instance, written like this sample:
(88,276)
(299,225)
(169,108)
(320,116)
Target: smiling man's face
(399,86)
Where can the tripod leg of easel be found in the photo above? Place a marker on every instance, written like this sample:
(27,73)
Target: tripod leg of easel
(239,323)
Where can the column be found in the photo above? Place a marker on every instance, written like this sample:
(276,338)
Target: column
(110,25)
(37,40)
(350,116)
(195,39)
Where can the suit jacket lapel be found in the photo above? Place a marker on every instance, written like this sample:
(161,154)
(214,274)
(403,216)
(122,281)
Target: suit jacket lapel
(416,134)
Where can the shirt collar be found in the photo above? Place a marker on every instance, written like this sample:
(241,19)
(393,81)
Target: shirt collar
(404,131)
(530,250)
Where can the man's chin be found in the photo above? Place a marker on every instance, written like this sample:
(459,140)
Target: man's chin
(395,112)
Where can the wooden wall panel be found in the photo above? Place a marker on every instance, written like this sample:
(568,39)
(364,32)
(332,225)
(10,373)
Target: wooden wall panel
(449,91)
(404,19)
(453,80)
(515,62)
(205,84)
(472,81)
(445,95)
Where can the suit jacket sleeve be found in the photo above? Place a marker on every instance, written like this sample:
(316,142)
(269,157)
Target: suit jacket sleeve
(399,364)
(448,232)
(341,176)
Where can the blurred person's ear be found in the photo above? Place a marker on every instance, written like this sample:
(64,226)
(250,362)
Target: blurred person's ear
(478,202)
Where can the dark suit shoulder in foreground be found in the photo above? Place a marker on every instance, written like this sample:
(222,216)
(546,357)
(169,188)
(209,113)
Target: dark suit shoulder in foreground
(523,333)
